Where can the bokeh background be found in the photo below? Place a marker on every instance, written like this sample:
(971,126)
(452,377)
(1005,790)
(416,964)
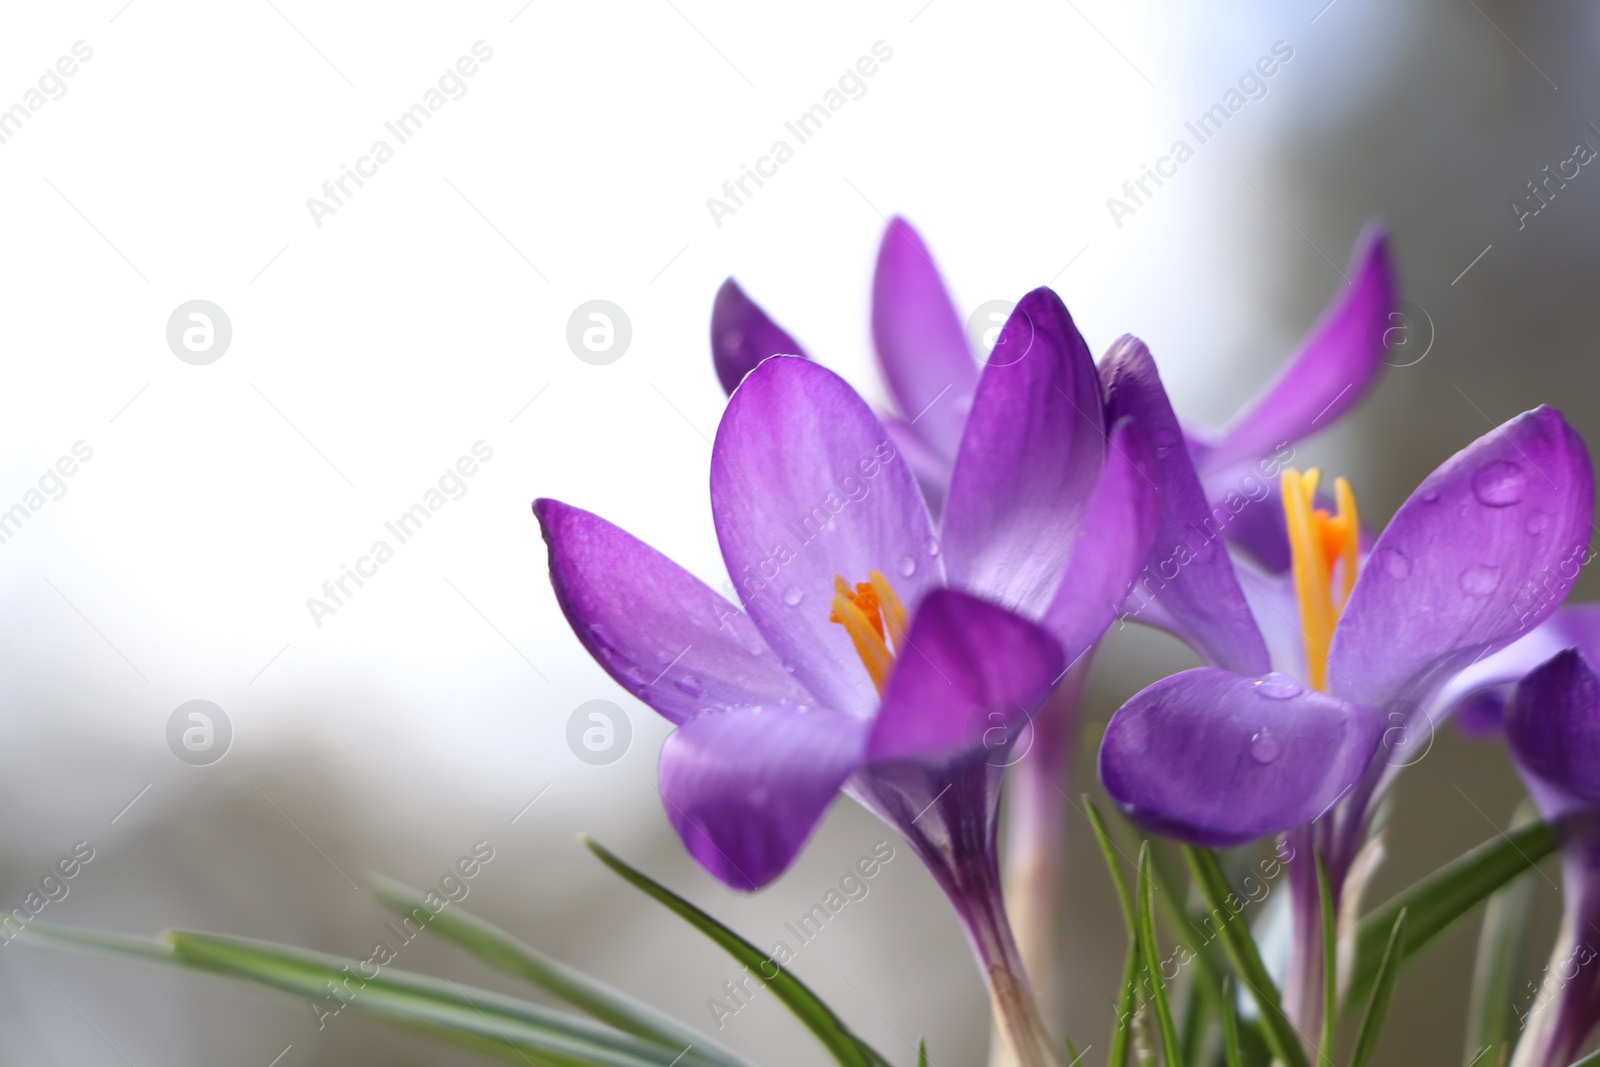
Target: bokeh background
(429,313)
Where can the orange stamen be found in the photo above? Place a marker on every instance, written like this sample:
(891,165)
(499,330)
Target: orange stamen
(871,613)
(1318,542)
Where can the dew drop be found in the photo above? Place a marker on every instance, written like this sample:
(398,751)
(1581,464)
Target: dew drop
(1396,564)
(1480,579)
(908,566)
(689,684)
(1264,748)
(1538,522)
(1429,496)
(1499,484)
(932,546)
(1277,686)
(790,667)
(793,595)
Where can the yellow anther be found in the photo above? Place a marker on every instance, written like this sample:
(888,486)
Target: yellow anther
(871,614)
(1321,544)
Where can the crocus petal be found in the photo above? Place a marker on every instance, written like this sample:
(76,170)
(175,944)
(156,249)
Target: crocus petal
(1553,725)
(1485,549)
(1031,455)
(931,468)
(1113,542)
(972,672)
(1189,574)
(666,636)
(745,787)
(805,487)
(1339,361)
(920,340)
(1476,695)
(742,336)
(1215,758)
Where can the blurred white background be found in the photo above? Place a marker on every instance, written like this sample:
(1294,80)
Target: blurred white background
(429,313)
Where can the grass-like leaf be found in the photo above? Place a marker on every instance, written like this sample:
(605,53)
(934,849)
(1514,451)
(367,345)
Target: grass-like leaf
(584,992)
(1246,958)
(1445,896)
(1330,960)
(1127,1007)
(1502,941)
(1382,990)
(1127,998)
(1230,1025)
(475,1018)
(817,1017)
(1152,963)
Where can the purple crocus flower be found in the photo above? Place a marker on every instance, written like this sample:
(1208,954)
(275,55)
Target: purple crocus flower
(1308,673)
(932,374)
(867,653)
(1552,726)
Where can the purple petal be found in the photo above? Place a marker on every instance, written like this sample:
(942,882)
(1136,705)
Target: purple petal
(1215,758)
(1476,695)
(663,634)
(1553,725)
(1030,458)
(806,486)
(1113,542)
(742,336)
(1338,362)
(920,340)
(1189,580)
(745,787)
(931,468)
(1485,549)
(971,675)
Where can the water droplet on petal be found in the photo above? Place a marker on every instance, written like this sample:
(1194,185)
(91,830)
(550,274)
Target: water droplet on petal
(1396,564)
(1277,686)
(1429,496)
(1538,522)
(1499,484)
(1480,579)
(932,546)
(908,566)
(793,595)
(790,667)
(689,684)
(1264,748)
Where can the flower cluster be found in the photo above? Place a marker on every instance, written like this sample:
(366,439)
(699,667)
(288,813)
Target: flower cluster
(919,588)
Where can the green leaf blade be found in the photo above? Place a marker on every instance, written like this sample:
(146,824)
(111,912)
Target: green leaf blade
(1382,990)
(1445,896)
(816,1016)
(1246,958)
(1152,963)
(584,992)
